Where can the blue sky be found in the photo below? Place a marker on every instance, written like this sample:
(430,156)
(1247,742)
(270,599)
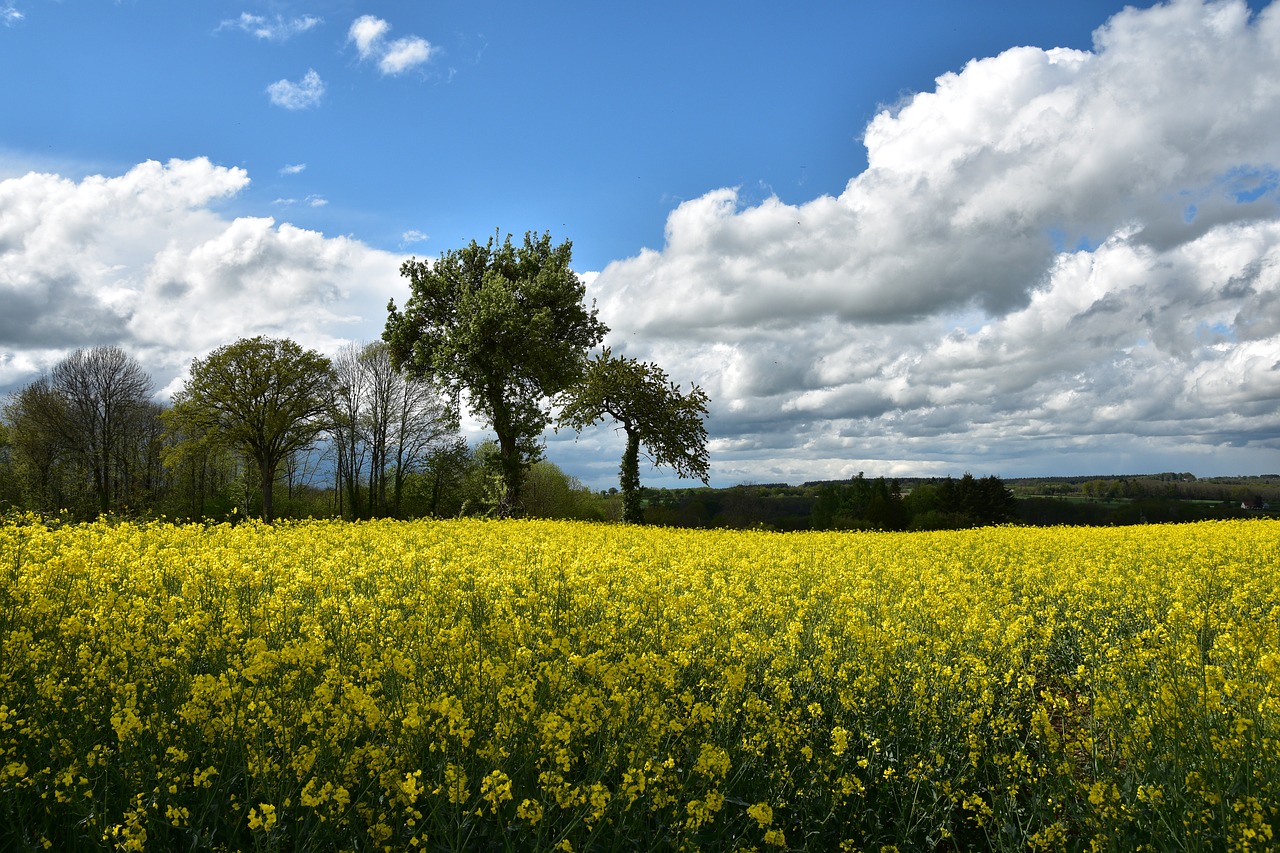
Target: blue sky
(590,120)
(1007,225)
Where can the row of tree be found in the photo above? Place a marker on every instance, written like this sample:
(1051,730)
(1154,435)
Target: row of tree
(89,438)
(500,328)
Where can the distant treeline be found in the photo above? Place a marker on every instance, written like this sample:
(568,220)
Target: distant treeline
(949,503)
(856,504)
(1139,499)
(1167,485)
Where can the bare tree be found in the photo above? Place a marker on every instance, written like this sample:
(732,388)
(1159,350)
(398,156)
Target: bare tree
(421,422)
(385,385)
(348,435)
(388,423)
(87,436)
(105,391)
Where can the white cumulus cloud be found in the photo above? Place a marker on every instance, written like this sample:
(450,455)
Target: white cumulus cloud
(1052,253)
(403,54)
(302,95)
(369,34)
(156,270)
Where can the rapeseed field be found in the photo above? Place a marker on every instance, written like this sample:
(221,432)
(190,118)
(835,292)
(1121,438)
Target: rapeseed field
(523,685)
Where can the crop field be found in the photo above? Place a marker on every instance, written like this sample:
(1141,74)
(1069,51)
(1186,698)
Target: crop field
(520,685)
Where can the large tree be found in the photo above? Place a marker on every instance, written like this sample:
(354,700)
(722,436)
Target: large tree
(651,410)
(265,397)
(505,326)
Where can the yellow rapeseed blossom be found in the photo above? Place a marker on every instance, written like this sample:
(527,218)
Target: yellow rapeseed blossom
(762,814)
(263,817)
(534,685)
(496,789)
(529,810)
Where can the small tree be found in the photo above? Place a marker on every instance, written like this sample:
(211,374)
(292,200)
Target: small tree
(651,410)
(436,487)
(10,490)
(266,397)
(203,473)
(504,325)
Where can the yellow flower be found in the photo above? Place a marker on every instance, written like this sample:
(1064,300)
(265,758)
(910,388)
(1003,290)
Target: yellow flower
(496,789)
(839,741)
(530,811)
(455,783)
(640,675)
(762,813)
(263,817)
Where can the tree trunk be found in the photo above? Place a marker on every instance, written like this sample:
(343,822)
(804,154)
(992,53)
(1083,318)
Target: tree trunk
(268,481)
(510,459)
(100,485)
(337,482)
(435,493)
(629,478)
(397,487)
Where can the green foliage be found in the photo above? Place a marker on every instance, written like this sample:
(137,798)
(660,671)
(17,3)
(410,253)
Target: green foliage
(651,410)
(206,479)
(264,397)
(10,491)
(855,504)
(40,466)
(551,493)
(971,502)
(859,504)
(503,325)
(436,488)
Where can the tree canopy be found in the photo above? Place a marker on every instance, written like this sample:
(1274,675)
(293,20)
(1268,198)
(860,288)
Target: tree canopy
(503,325)
(651,410)
(266,397)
